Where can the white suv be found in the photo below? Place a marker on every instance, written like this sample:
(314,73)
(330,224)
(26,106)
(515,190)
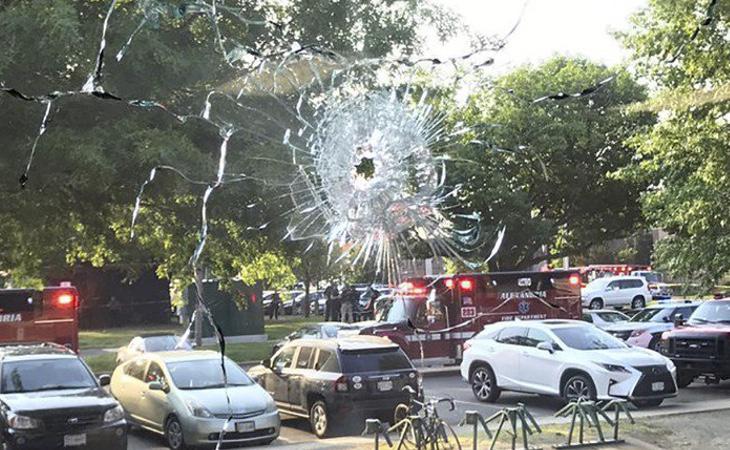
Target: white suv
(565,358)
(616,291)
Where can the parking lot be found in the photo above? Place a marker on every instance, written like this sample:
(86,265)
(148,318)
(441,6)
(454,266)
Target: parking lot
(695,398)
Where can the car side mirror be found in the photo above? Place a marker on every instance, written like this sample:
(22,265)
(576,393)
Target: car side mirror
(678,320)
(104,380)
(155,386)
(266,363)
(546,346)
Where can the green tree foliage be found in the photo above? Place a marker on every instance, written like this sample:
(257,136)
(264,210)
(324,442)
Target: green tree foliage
(685,157)
(95,155)
(544,169)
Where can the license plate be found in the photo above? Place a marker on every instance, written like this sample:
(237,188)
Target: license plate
(658,386)
(385,385)
(245,427)
(73,440)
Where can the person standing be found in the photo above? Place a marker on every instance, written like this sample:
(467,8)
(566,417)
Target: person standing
(372,297)
(275,304)
(330,294)
(348,299)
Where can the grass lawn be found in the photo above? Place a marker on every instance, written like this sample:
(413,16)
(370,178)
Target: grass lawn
(117,337)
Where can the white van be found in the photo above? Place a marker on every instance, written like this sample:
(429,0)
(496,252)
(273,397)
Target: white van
(616,291)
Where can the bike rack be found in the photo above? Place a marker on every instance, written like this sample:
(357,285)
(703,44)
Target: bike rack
(475,419)
(589,412)
(516,417)
(376,427)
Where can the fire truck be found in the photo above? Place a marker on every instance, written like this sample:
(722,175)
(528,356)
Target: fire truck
(432,317)
(34,316)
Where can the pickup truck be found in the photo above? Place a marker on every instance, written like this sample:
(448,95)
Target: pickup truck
(701,346)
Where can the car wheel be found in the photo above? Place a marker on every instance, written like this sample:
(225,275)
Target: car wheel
(596,303)
(648,403)
(684,380)
(655,344)
(579,386)
(638,302)
(318,419)
(174,434)
(484,384)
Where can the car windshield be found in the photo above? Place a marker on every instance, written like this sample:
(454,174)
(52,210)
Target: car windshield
(653,315)
(162,343)
(711,311)
(612,317)
(374,361)
(587,338)
(206,374)
(395,310)
(45,375)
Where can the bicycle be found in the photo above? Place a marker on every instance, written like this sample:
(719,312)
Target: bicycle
(419,426)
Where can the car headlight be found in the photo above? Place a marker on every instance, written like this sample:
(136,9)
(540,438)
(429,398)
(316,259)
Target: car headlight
(271,406)
(637,333)
(198,410)
(614,368)
(19,422)
(114,414)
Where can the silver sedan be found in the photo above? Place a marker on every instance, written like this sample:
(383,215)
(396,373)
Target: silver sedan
(182,396)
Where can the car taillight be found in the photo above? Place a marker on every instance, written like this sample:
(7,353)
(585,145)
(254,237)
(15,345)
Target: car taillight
(341,385)
(574,280)
(467,345)
(64,300)
(449,283)
(466,284)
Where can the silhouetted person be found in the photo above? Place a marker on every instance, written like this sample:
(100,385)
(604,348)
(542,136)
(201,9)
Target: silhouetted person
(331,293)
(348,298)
(275,304)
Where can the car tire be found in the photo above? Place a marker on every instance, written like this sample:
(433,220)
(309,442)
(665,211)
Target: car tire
(577,386)
(319,419)
(174,436)
(655,344)
(638,302)
(684,380)
(596,303)
(484,384)
(648,403)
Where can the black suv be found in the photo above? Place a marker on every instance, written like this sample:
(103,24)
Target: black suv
(327,380)
(50,399)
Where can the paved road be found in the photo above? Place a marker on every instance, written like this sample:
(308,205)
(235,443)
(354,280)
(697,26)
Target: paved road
(295,432)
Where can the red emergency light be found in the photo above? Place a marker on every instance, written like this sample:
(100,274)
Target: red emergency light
(466,284)
(574,279)
(64,300)
(449,283)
